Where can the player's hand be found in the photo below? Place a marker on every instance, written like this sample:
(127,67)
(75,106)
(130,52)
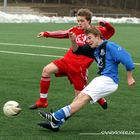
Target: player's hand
(72,36)
(102,23)
(40,34)
(131,81)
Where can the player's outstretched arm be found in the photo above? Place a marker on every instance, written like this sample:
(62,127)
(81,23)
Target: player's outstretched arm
(54,34)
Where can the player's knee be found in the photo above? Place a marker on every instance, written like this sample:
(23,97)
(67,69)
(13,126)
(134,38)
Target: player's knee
(49,69)
(84,97)
(46,71)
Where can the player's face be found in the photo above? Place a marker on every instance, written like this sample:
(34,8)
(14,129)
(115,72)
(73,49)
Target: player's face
(82,22)
(92,40)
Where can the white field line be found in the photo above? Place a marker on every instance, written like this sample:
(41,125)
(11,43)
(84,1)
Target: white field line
(45,55)
(51,47)
(29,45)
(30,54)
(137,64)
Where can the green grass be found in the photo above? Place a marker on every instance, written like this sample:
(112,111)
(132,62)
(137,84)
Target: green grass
(20,76)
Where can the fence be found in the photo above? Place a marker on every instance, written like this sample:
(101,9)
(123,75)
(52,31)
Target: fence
(111,15)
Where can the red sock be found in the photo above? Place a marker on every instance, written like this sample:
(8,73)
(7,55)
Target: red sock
(44,86)
(101,101)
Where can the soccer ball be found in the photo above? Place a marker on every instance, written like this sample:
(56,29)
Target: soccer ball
(11,108)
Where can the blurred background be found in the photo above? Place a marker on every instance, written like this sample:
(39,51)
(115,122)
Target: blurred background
(105,8)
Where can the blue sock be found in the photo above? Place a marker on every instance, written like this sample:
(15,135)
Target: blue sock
(62,113)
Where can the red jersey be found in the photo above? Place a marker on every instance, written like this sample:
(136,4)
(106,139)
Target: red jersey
(81,60)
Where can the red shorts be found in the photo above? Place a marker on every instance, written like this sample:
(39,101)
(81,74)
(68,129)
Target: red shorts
(76,74)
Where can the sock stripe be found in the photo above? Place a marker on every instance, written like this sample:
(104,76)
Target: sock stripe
(45,78)
(42,95)
(66,110)
(62,113)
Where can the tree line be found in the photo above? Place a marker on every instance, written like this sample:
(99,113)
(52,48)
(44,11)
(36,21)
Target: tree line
(122,4)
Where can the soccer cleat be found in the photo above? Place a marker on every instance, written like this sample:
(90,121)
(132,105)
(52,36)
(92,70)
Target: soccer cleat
(48,116)
(49,125)
(51,118)
(103,103)
(39,104)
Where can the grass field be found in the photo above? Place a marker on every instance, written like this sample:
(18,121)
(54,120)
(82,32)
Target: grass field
(22,57)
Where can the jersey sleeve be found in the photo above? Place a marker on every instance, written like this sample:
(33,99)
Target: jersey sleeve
(57,34)
(120,55)
(85,50)
(107,30)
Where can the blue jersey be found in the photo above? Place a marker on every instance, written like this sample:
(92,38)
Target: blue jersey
(114,54)
(108,55)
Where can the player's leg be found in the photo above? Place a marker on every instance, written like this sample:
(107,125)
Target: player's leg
(57,118)
(98,88)
(102,102)
(79,102)
(44,85)
(79,81)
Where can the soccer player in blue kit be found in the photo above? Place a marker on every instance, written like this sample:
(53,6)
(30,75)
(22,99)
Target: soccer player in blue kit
(108,55)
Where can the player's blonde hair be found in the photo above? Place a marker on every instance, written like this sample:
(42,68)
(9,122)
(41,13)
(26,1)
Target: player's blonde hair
(93,30)
(86,13)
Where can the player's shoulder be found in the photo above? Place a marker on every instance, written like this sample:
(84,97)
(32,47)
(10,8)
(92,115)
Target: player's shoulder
(113,45)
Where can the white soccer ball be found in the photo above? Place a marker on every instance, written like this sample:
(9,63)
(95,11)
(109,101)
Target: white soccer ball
(11,108)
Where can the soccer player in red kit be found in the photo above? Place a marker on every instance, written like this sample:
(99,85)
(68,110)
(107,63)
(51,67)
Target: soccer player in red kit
(71,65)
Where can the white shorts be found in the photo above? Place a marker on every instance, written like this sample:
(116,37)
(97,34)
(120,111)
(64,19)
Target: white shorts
(100,87)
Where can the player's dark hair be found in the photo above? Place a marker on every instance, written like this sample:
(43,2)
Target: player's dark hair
(93,30)
(85,12)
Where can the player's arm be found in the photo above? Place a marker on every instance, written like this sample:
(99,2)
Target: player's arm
(106,29)
(54,34)
(74,45)
(121,55)
(80,50)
